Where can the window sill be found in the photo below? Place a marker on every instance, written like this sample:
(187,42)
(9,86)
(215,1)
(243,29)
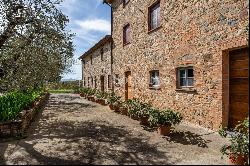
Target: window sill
(186,90)
(124,44)
(153,30)
(154,88)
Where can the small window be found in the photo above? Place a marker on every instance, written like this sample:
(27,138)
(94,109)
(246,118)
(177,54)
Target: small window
(101,52)
(154,16)
(83,63)
(185,77)
(91,59)
(84,82)
(92,82)
(154,79)
(125,2)
(95,83)
(126,34)
(109,82)
(88,81)
(117,79)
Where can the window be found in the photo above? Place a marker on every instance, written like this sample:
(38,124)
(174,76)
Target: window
(116,79)
(88,81)
(83,63)
(126,34)
(92,82)
(95,83)
(101,52)
(125,2)
(91,59)
(109,82)
(84,82)
(154,79)
(185,77)
(154,16)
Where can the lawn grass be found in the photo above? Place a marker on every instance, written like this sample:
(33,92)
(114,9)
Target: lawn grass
(61,91)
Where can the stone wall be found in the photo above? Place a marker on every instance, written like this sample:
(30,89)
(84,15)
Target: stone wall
(192,32)
(98,67)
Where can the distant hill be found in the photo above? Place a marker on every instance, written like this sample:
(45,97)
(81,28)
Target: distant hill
(66,80)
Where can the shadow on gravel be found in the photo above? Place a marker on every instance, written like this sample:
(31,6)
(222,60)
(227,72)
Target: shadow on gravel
(187,138)
(97,141)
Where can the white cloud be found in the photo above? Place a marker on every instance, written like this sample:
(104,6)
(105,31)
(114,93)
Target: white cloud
(94,25)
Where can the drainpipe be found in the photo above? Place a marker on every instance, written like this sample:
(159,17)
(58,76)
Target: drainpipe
(111,45)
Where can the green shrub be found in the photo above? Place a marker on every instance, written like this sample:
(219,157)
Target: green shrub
(239,140)
(14,102)
(165,117)
(113,99)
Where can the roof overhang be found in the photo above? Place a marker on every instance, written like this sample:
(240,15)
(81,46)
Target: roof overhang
(107,1)
(103,41)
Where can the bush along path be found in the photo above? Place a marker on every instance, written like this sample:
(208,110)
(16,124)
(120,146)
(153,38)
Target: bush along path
(18,109)
(73,130)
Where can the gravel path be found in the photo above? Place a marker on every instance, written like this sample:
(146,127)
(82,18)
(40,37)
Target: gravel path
(72,130)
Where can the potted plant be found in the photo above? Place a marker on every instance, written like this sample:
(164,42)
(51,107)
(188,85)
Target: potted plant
(123,108)
(133,106)
(164,120)
(113,102)
(238,150)
(143,113)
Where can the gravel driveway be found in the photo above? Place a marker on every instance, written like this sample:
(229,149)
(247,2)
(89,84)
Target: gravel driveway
(72,130)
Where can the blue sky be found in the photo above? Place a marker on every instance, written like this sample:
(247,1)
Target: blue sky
(90,21)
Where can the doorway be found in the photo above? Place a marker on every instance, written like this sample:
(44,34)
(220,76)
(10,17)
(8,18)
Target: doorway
(128,89)
(238,86)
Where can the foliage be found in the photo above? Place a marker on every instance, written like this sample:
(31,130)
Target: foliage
(239,139)
(133,106)
(137,108)
(113,99)
(165,117)
(14,102)
(34,44)
(102,95)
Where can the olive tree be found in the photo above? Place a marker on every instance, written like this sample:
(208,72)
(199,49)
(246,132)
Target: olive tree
(34,43)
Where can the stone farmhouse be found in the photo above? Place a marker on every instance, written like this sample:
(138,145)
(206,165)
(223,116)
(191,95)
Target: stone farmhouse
(188,55)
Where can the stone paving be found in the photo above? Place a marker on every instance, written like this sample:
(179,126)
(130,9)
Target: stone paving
(72,130)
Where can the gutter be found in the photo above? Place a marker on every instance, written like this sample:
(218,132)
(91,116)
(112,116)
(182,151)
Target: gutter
(111,45)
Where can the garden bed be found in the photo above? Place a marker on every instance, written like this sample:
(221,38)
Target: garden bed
(17,126)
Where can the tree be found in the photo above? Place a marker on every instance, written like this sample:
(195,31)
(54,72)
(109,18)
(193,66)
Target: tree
(34,44)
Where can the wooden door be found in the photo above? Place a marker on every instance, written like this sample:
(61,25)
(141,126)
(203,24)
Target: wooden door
(102,83)
(238,86)
(128,89)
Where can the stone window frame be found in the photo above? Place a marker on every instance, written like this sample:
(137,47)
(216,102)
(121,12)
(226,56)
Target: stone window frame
(184,88)
(125,2)
(109,82)
(124,34)
(102,53)
(150,7)
(151,86)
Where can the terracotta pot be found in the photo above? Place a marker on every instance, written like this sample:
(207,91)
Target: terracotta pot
(240,160)
(164,129)
(144,121)
(111,107)
(124,111)
(103,102)
(116,108)
(134,117)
